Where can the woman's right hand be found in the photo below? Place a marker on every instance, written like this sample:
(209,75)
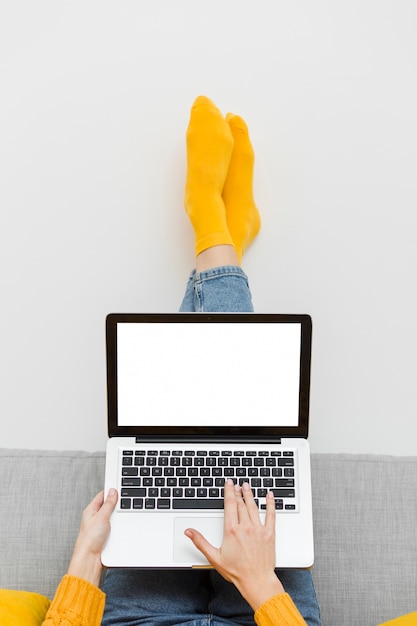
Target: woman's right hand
(247,554)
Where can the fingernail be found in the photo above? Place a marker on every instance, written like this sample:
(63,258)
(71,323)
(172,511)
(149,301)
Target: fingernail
(112,492)
(245,486)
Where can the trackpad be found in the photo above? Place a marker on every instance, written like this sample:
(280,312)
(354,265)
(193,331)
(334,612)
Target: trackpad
(184,549)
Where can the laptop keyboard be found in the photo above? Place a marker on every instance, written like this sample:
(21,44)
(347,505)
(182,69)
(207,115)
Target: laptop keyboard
(185,479)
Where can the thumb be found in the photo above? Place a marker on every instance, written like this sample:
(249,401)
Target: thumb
(200,542)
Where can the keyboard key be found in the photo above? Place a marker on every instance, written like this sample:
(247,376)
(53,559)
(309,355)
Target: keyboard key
(284,482)
(129,471)
(283,493)
(132,493)
(197,503)
(286,461)
(130,482)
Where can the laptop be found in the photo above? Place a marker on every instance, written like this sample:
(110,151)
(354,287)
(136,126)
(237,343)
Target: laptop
(194,399)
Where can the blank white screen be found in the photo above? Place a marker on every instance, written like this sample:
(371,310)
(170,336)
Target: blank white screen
(221,374)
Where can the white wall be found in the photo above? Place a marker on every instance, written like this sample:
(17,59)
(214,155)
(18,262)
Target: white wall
(94,106)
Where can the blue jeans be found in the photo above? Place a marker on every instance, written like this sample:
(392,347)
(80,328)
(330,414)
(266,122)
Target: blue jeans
(198,598)
(218,290)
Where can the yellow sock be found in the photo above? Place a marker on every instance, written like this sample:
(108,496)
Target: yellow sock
(242,214)
(209,148)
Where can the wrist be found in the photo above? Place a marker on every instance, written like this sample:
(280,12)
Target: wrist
(87,566)
(258,591)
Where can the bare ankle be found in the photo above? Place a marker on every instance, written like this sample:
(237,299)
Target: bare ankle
(215,257)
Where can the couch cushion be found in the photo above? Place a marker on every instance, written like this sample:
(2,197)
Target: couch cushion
(42,495)
(365,523)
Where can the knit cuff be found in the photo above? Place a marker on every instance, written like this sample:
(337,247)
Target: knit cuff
(279,609)
(78,600)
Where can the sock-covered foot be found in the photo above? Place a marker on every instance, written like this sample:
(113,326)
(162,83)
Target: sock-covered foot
(242,214)
(209,148)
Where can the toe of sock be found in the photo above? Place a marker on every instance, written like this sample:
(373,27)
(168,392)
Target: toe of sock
(235,121)
(203,101)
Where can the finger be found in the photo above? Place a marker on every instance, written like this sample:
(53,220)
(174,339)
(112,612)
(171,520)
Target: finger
(108,505)
(103,508)
(200,542)
(95,504)
(230,503)
(242,512)
(270,517)
(251,505)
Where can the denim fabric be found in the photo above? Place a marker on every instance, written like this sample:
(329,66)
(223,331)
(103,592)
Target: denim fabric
(222,289)
(198,598)
(192,598)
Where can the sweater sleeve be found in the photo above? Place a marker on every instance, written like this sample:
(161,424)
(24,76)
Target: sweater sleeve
(279,609)
(76,603)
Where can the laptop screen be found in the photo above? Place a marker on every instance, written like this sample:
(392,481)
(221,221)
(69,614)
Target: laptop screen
(214,374)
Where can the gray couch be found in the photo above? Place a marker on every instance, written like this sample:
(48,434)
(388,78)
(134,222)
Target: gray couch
(365,510)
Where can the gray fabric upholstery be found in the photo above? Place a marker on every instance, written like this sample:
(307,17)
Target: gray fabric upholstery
(365,510)
(42,495)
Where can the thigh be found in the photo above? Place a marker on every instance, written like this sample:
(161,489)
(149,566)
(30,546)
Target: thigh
(227,606)
(156,597)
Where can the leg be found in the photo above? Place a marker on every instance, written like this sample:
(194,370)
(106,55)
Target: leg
(219,289)
(156,598)
(219,202)
(219,284)
(227,602)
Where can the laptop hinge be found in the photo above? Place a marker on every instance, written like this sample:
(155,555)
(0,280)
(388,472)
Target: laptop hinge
(208,439)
